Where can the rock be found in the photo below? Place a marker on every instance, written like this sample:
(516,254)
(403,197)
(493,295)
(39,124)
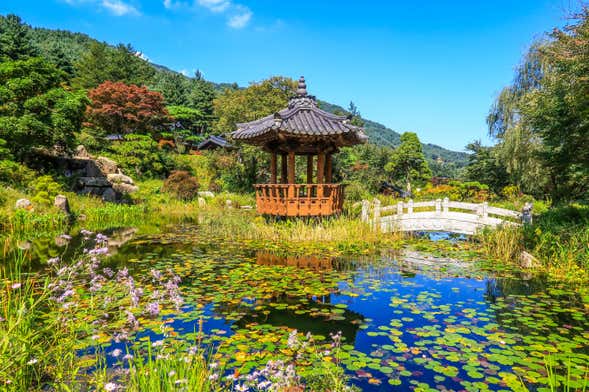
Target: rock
(62,203)
(82,153)
(125,189)
(107,166)
(229,203)
(24,204)
(526,260)
(201,202)
(246,207)
(95,182)
(206,194)
(109,195)
(118,178)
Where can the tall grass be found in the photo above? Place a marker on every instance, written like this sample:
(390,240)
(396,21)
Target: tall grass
(33,345)
(24,222)
(114,215)
(559,239)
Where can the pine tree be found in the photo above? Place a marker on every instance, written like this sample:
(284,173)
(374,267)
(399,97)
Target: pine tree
(15,39)
(408,162)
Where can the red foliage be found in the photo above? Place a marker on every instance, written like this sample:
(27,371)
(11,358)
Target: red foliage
(121,108)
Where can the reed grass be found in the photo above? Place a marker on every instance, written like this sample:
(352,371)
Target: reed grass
(34,348)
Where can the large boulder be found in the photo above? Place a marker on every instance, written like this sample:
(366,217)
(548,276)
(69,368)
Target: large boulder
(119,178)
(109,195)
(82,153)
(94,182)
(125,189)
(107,166)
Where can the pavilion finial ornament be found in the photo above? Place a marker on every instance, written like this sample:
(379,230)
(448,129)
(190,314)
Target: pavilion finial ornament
(302,87)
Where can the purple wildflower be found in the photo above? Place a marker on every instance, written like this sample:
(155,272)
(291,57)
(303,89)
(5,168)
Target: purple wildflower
(153,309)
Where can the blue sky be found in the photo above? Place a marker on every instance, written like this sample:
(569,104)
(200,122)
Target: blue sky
(429,66)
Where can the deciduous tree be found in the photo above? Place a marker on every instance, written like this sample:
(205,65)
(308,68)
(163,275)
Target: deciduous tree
(120,108)
(35,111)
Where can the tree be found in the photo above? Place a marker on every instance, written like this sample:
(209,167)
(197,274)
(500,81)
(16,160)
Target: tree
(407,162)
(139,154)
(93,67)
(121,64)
(484,167)
(173,86)
(119,108)
(258,100)
(15,39)
(540,120)
(36,111)
(127,66)
(201,97)
(190,119)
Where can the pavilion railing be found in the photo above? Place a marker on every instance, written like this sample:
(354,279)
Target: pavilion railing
(299,199)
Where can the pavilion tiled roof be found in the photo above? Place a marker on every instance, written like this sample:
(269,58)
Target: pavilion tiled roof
(301,119)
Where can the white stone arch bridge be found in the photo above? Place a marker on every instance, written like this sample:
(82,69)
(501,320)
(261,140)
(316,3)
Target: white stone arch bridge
(441,215)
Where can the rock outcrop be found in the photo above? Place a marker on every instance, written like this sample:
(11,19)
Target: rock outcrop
(99,176)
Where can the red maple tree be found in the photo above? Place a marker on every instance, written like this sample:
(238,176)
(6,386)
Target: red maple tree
(120,108)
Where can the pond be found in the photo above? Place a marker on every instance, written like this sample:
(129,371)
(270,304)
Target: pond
(407,320)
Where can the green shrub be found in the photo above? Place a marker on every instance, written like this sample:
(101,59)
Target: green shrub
(45,189)
(15,174)
(182,185)
(140,155)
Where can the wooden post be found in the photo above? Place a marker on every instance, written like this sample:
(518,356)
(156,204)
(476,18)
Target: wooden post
(320,167)
(400,208)
(485,210)
(291,167)
(273,159)
(309,169)
(376,216)
(365,210)
(320,172)
(410,206)
(284,173)
(445,204)
(291,174)
(328,169)
(438,206)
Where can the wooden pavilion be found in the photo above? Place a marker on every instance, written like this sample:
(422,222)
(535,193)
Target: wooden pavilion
(305,130)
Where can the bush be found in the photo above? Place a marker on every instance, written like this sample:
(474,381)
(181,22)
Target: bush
(182,185)
(15,174)
(44,190)
(139,154)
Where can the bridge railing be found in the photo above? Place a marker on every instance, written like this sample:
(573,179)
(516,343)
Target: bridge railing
(440,214)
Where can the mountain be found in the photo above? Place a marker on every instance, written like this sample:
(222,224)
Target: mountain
(442,161)
(65,48)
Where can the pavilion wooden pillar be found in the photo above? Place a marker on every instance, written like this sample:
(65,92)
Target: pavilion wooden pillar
(284,174)
(320,172)
(328,169)
(291,173)
(273,159)
(309,169)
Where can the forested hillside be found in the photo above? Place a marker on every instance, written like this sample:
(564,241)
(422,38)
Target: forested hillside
(66,48)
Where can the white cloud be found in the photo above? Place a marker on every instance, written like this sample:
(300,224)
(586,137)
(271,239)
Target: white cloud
(215,5)
(115,7)
(119,8)
(240,20)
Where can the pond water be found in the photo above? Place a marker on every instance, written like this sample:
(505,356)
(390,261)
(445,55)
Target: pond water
(407,321)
